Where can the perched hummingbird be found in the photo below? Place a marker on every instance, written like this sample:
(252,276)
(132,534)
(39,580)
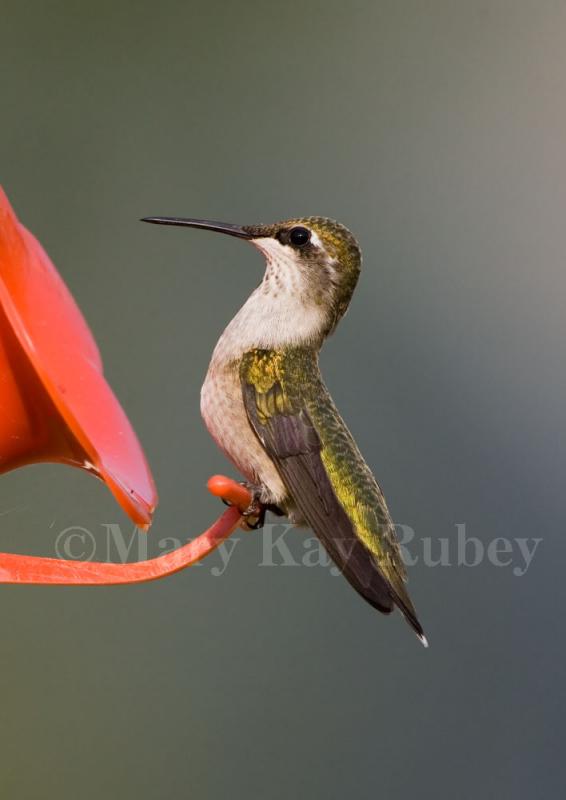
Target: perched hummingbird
(265,404)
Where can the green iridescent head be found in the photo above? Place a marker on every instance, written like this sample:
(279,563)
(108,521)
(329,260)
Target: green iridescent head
(314,259)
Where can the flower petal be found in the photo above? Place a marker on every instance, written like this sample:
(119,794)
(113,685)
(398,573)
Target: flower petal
(56,347)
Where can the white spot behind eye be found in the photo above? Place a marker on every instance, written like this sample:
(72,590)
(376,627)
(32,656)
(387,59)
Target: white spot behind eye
(315,239)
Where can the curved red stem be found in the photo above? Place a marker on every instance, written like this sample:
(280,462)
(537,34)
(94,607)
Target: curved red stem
(15,568)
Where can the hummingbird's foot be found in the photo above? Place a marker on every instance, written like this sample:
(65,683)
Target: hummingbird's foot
(254,515)
(256,511)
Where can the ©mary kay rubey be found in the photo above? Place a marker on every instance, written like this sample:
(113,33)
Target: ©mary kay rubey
(55,405)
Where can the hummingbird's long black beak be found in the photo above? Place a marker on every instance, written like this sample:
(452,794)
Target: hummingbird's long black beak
(206,224)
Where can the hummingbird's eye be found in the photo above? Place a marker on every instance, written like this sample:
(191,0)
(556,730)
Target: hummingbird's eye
(299,236)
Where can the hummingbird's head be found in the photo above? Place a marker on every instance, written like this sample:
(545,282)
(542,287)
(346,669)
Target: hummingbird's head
(315,258)
(313,264)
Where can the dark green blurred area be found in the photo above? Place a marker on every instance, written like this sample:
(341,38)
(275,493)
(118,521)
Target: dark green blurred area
(436,131)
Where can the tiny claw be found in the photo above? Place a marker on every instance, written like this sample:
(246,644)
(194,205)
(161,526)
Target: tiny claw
(254,526)
(255,510)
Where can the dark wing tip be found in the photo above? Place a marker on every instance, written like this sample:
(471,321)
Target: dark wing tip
(406,608)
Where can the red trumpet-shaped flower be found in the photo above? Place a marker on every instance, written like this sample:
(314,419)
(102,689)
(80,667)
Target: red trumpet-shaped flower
(55,405)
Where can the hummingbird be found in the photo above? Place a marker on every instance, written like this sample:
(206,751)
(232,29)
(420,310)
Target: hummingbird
(265,404)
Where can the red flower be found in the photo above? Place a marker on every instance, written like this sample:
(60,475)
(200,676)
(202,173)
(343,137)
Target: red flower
(55,405)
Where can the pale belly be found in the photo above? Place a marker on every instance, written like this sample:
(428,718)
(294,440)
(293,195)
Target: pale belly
(225,417)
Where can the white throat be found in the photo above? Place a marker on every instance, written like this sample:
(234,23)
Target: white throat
(278,313)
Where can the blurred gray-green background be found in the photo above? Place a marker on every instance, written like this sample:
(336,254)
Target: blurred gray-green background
(437,132)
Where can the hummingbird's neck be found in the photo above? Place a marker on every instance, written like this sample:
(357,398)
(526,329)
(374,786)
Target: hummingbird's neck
(272,319)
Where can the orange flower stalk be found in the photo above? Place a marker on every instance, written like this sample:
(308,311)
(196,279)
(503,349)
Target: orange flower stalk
(35,569)
(55,405)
